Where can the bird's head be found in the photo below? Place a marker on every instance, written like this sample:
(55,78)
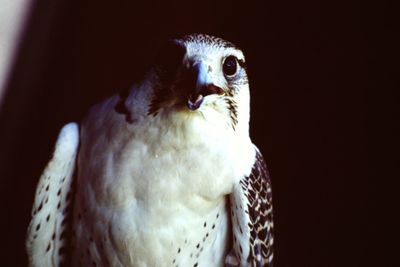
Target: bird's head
(202,75)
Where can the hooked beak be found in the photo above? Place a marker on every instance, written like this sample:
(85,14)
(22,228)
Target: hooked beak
(204,86)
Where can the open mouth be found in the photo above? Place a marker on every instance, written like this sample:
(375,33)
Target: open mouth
(195,100)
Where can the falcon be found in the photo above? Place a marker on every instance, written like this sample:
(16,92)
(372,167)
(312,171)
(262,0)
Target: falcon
(163,174)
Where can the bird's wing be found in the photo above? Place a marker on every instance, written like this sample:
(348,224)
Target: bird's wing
(45,241)
(251,214)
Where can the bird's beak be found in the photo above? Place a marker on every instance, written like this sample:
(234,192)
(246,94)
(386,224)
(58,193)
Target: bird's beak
(204,86)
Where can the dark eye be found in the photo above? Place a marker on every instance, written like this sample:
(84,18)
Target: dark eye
(230,66)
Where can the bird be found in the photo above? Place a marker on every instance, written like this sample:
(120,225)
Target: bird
(162,174)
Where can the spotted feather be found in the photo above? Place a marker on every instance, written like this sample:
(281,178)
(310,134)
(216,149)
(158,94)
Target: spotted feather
(251,214)
(47,232)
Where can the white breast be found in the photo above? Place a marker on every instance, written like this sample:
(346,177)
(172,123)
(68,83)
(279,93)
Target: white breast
(150,192)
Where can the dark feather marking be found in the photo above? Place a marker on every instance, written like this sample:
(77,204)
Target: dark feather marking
(232,106)
(208,39)
(65,233)
(257,189)
(242,64)
(156,101)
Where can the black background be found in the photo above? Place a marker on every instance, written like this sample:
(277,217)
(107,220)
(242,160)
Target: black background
(319,74)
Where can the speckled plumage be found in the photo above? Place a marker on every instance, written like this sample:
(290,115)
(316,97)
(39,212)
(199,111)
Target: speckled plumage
(164,175)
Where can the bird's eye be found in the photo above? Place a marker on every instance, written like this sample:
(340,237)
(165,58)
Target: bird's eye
(230,66)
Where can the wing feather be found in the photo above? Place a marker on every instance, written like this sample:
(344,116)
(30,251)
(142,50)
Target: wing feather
(46,232)
(251,214)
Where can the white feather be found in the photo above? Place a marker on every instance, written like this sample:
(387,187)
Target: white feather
(46,226)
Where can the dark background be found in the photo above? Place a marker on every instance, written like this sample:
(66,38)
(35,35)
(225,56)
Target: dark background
(322,89)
